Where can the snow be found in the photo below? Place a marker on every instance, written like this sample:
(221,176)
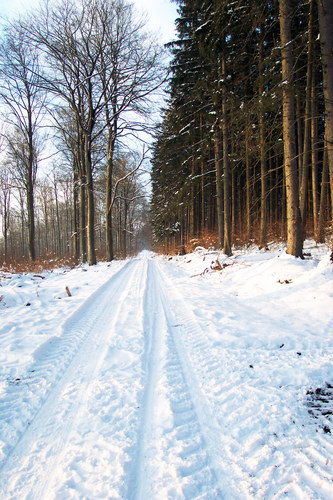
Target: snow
(183,377)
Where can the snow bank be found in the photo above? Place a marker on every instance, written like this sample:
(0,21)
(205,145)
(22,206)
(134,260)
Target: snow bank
(203,376)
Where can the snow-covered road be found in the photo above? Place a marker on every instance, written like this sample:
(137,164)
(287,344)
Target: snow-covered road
(139,398)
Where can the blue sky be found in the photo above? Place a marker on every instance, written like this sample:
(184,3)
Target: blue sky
(160,14)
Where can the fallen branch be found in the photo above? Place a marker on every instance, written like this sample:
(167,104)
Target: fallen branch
(213,268)
(201,274)
(217,266)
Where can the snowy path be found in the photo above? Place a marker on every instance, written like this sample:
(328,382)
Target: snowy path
(140,401)
(70,431)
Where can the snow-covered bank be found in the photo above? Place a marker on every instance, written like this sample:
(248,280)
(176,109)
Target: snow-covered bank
(160,378)
(266,363)
(34,307)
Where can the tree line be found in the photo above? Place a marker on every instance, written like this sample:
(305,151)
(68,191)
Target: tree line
(77,84)
(245,147)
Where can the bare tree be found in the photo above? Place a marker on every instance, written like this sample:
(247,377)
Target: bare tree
(130,73)
(99,65)
(70,37)
(5,198)
(24,101)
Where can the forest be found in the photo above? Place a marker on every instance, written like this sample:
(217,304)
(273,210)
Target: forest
(244,153)
(78,85)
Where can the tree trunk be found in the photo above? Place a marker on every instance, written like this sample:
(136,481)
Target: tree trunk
(226,169)
(30,190)
(325,11)
(263,181)
(263,162)
(193,208)
(203,181)
(58,219)
(83,223)
(83,197)
(248,180)
(108,208)
(233,205)
(22,212)
(304,174)
(320,234)
(299,135)
(90,205)
(6,214)
(294,233)
(31,220)
(76,247)
(125,229)
(219,194)
(314,154)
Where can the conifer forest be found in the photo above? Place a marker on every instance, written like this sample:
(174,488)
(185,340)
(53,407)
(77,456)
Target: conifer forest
(242,152)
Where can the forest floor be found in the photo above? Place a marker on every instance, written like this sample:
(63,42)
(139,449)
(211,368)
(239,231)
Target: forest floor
(184,377)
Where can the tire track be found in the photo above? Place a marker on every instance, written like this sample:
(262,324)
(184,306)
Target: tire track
(198,424)
(51,359)
(184,440)
(81,350)
(107,432)
(262,463)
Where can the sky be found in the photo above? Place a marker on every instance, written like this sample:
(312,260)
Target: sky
(160,14)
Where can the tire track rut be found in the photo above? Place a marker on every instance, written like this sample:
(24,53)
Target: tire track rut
(259,458)
(81,351)
(180,441)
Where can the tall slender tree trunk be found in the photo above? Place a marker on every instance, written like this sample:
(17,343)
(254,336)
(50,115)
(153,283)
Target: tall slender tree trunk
(233,205)
(248,182)
(76,247)
(203,180)
(6,218)
(263,162)
(108,207)
(314,154)
(325,11)
(320,233)
(193,208)
(91,204)
(58,217)
(83,199)
(111,120)
(219,192)
(294,233)
(304,174)
(263,181)
(46,219)
(31,220)
(83,223)
(226,167)
(30,192)
(22,213)
(125,229)
(299,134)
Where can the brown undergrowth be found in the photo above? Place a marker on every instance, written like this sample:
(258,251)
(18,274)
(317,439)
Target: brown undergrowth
(208,239)
(20,265)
